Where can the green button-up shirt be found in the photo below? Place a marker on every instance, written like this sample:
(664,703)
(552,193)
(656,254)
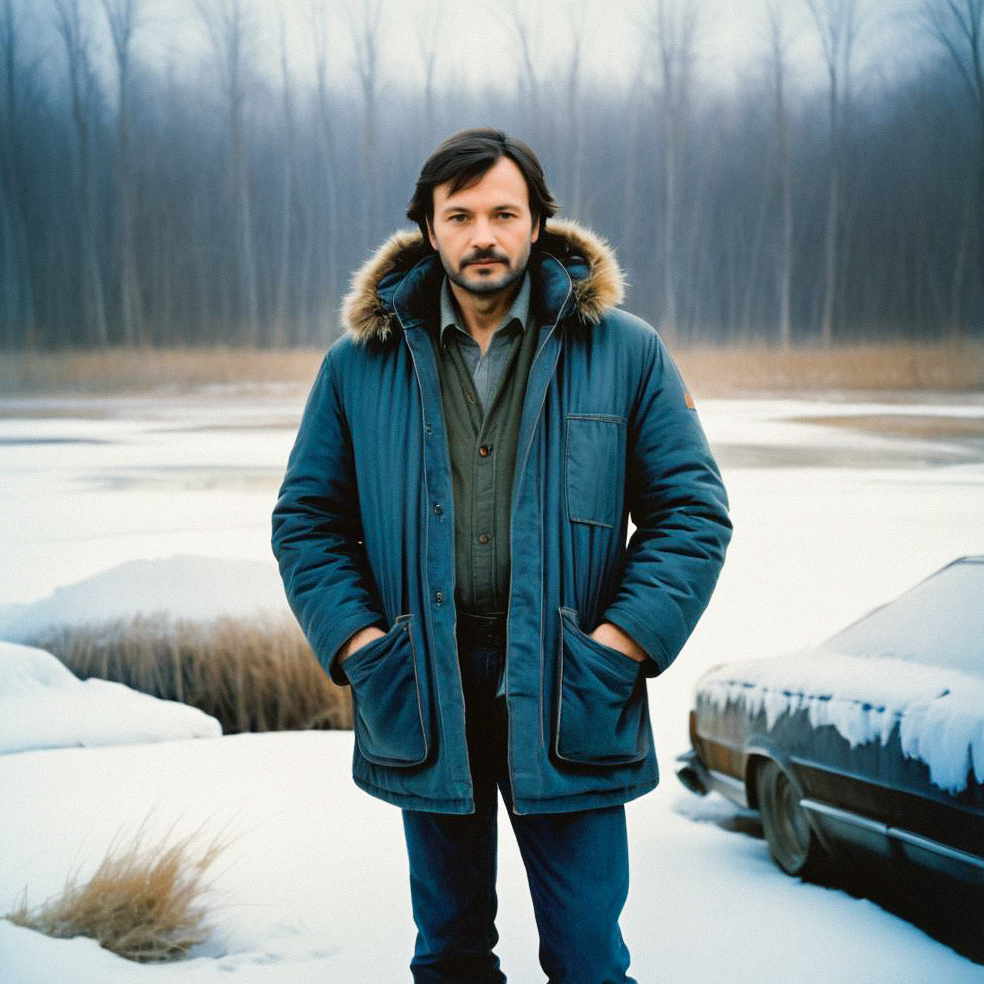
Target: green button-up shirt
(483,402)
(486,370)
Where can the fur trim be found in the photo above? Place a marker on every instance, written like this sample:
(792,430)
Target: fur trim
(364,316)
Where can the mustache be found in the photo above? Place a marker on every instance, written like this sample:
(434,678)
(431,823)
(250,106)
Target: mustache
(485,257)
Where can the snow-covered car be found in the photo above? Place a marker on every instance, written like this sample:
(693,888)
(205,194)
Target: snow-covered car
(871,742)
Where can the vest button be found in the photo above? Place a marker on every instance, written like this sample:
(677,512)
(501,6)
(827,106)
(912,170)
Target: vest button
(485,450)
(439,596)
(483,538)
(438,508)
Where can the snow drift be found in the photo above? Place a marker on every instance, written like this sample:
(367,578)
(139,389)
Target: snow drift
(44,705)
(179,587)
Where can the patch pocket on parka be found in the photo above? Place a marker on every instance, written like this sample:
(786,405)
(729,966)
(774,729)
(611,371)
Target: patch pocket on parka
(594,467)
(601,700)
(387,713)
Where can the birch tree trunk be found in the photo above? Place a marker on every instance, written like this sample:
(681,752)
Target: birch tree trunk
(365,28)
(72,30)
(231,31)
(672,25)
(282,288)
(123,17)
(837,23)
(958,25)
(18,287)
(779,41)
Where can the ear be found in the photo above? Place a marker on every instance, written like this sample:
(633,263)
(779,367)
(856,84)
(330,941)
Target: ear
(430,233)
(536,231)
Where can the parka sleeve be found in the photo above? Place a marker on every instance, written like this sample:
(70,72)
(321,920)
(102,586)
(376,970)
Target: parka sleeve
(317,530)
(679,506)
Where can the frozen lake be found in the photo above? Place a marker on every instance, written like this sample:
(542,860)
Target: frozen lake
(838,505)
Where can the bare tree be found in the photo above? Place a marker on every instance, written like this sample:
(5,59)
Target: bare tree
(124,19)
(632,156)
(837,23)
(741,194)
(671,27)
(73,31)
(959,26)
(17,293)
(279,327)
(365,28)
(575,111)
(779,41)
(428,32)
(524,23)
(327,216)
(231,31)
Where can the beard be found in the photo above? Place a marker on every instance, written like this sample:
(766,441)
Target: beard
(485,286)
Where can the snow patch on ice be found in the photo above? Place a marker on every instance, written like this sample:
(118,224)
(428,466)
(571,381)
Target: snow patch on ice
(940,712)
(44,705)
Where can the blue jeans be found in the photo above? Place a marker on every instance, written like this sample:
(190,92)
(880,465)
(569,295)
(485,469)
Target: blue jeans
(576,863)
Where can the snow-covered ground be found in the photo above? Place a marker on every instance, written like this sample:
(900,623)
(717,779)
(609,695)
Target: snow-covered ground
(829,523)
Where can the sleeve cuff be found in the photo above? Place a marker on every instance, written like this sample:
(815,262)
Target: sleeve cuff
(341,632)
(656,660)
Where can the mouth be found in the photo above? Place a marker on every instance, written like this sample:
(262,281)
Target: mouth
(481,263)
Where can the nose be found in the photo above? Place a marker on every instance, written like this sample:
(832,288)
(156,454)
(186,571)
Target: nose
(482,235)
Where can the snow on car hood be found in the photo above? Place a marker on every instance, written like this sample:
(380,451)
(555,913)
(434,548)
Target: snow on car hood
(940,712)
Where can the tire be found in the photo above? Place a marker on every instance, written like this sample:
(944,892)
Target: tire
(792,841)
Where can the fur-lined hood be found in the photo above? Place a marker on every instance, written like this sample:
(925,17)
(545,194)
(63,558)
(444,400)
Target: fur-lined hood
(599,283)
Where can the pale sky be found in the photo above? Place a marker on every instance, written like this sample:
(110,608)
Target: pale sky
(476,47)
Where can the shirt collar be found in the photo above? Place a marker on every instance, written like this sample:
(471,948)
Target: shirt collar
(519,309)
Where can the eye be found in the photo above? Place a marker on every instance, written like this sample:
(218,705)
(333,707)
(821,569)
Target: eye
(455,217)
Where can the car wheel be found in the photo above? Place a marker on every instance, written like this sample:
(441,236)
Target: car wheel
(792,841)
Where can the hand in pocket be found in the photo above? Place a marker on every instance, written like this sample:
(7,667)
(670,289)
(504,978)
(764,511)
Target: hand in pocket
(359,640)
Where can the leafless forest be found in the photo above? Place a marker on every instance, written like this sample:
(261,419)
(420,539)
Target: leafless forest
(146,203)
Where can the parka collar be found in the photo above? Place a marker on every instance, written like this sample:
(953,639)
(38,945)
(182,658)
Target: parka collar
(405,274)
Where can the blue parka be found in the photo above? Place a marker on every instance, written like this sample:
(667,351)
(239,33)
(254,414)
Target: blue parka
(363,531)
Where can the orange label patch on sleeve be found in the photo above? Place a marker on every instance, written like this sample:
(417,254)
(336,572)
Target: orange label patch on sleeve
(689,400)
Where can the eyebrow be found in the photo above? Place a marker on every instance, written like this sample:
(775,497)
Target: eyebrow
(495,208)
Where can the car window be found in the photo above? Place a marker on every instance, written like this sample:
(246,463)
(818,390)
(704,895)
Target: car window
(939,621)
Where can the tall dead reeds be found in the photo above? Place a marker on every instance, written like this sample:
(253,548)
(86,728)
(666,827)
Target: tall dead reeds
(256,674)
(135,370)
(709,371)
(712,372)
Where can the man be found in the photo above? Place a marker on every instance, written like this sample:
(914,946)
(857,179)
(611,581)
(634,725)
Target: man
(451,533)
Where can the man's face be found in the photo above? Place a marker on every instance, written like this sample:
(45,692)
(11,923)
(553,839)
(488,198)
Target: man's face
(484,233)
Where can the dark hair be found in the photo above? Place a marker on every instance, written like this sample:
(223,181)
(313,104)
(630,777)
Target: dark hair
(463,158)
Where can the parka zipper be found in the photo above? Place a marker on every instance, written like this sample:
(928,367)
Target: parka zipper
(512,527)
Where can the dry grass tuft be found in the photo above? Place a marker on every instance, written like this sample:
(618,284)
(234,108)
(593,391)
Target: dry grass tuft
(254,674)
(143,902)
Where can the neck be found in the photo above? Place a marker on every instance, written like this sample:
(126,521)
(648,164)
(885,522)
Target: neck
(483,313)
